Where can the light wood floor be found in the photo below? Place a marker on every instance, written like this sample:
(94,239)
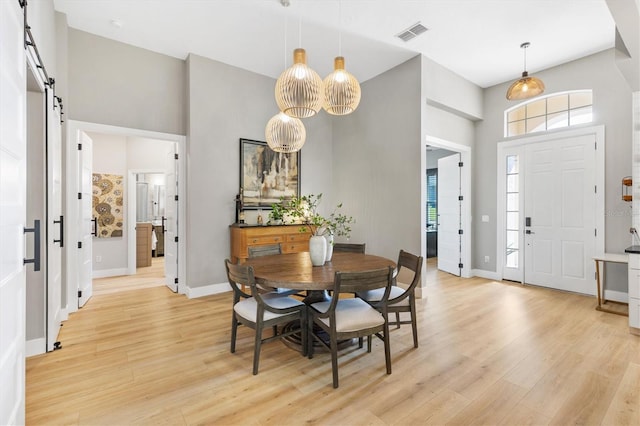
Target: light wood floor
(149,276)
(490,353)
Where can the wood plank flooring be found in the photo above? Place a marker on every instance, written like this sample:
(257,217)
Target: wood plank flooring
(490,353)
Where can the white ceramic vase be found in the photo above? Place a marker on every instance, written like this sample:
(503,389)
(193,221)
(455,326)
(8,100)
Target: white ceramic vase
(329,238)
(317,250)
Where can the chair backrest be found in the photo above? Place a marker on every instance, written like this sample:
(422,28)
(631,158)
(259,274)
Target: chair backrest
(352,282)
(349,247)
(239,275)
(257,251)
(412,263)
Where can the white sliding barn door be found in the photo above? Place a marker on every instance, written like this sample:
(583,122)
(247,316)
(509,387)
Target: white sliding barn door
(12,213)
(449,214)
(55,221)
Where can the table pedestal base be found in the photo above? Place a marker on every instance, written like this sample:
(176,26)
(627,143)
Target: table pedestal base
(294,341)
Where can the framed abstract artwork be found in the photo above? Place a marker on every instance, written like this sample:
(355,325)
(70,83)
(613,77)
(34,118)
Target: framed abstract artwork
(266,175)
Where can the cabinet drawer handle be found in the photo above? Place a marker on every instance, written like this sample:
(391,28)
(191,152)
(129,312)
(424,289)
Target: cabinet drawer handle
(255,241)
(276,239)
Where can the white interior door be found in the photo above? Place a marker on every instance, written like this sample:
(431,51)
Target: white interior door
(560,204)
(449,214)
(88,228)
(171,220)
(12,213)
(55,222)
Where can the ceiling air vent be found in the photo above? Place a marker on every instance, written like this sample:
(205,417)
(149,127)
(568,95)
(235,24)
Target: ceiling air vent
(412,32)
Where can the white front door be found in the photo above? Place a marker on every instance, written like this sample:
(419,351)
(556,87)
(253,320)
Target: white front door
(449,225)
(13,188)
(560,213)
(171,220)
(88,227)
(55,222)
(552,208)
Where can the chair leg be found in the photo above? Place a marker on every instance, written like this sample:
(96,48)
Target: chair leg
(234,331)
(360,341)
(387,348)
(275,330)
(369,343)
(256,349)
(397,319)
(414,326)
(334,359)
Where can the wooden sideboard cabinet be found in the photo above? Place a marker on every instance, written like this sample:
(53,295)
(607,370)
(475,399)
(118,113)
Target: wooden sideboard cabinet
(289,237)
(143,244)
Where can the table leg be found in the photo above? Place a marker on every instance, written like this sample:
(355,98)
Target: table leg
(598,283)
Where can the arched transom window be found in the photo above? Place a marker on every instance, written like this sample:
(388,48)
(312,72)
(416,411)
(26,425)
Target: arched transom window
(550,112)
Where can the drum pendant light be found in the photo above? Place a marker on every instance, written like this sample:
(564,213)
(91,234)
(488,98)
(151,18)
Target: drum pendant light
(299,89)
(526,87)
(285,133)
(341,88)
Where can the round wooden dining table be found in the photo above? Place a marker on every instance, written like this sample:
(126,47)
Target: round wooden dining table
(295,271)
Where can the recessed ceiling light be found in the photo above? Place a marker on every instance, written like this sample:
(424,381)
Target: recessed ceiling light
(117,23)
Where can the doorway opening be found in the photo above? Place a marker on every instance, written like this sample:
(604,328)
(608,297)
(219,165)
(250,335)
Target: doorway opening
(151,153)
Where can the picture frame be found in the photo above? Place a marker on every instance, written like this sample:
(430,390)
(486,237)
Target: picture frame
(266,176)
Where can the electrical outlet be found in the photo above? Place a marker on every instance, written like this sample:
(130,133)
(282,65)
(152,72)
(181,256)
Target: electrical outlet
(98,259)
(486,259)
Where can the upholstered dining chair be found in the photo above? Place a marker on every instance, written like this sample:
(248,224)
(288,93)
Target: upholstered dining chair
(401,298)
(349,247)
(349,318)
(261,310)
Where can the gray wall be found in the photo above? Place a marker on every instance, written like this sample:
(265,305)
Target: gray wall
(122,85)
(226,104)
(377,161)
(611,107)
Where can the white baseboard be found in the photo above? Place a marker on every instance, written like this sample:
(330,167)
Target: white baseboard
(616,296)
(207,290)
(104,273)
(490,275)
(35,347)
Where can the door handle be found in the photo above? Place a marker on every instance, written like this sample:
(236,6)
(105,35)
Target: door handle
(163,227)
(528,231)
(94,228)
(61,240)
(36,246)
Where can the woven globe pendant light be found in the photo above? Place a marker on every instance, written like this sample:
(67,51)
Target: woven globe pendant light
(341,90)
(526,87)
(299,89)
(285,133)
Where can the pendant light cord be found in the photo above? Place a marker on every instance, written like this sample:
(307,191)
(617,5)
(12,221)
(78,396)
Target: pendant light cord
(340,28)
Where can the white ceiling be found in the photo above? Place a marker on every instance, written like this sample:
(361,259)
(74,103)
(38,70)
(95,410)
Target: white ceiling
(477,39)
